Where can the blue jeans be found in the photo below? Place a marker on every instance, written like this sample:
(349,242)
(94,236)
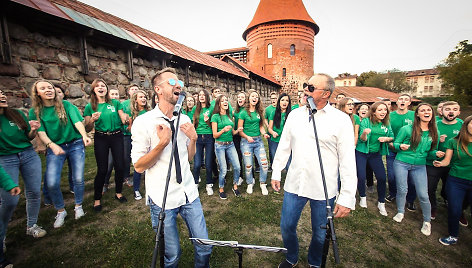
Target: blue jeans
(47,199)
(192,214)
(291,210)
(456,190)
(136,181)
(392,185)
(127,155)
(257,149)
(420,179)
(205,144)
(223,151)
(74,150)
(273,145)
(375,162)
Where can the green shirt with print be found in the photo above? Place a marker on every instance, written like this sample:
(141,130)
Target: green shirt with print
(203,127)
(223,121)
(57,130)
(372,144)
(236,117)
(276,129)
(416,156)
(357,120)
(251,123)
(109,119)
(397,121)
(13,139)
(461,162)
(450,131)
(126,104)
(268,111)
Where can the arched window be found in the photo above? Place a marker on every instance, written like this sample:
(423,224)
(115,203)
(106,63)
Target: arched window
(284,72)
(292,50)
(269,51)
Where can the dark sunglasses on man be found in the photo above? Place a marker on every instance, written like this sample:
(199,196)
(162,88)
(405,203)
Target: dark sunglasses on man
(311,88)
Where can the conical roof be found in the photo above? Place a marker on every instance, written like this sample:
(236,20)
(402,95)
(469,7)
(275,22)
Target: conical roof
(280,10)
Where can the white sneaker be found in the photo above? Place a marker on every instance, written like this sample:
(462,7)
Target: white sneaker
(264,189)
(240,181)
(382,209)
(137,195)
(363,202)
(35,231)
(426,229)
(60,219)
(249,188)
(209,188)
(399,217)
(79,212)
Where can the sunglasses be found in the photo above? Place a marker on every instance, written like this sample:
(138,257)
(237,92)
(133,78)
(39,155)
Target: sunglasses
(311,88)
(173,82)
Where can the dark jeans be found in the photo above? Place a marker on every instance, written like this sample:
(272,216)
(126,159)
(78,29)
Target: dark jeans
(456,189)
(434,175)
(205,145)
(127,155)
(102,144)
(237,145)
(375,162)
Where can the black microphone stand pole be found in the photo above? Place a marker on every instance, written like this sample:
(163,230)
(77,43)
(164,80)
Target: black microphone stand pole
(159,248)
(330,233)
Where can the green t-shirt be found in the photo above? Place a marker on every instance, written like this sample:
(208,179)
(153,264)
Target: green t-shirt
(461,162)
(223,121)
(377,130)
(295,106)
(397,121)
(6,182)
(419,154)
(109,119)
(57,131)
(203,127)
(268,111)
(372,145)
(276,129)
(236,118)
(357,120)
(450,131)
(251,124)
(12,139)
(126,104)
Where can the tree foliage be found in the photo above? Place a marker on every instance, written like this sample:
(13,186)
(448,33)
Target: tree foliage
(456,72)
(393,80)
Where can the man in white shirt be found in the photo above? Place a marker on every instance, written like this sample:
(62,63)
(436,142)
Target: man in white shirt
(303,182)
(151,151)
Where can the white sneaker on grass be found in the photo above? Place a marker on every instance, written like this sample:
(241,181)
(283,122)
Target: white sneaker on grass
(137,195)
(60,219)
(264,189)
(79,212)
(426,229)
(35,231)
(240,181)
(382,209)
(363,202)
(209,189)
(249,188)
(399,217)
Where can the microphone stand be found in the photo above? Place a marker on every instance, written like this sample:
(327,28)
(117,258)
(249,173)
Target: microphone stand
(159,248)
(330,232)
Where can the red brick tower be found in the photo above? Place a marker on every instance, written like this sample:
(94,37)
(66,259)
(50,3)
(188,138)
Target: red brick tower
(280,39)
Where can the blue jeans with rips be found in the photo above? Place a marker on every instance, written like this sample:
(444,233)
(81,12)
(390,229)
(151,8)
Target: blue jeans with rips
(291,210)
(417,173)
(192,214)
(229,151)
(257,149)
(75,150)
(205,145)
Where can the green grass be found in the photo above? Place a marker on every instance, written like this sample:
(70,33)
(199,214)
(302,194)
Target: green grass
(121,235)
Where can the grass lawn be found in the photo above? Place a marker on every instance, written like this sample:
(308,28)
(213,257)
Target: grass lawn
(121,235)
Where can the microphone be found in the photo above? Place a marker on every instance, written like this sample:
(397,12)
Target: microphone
(311,104)
(178,105)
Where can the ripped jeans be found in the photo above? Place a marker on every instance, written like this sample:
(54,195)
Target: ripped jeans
(256,148)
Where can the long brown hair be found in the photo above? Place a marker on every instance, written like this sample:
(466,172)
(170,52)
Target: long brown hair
(196,115)
(218,101)
(38,103)
(14,116)
(417,132)
(93,95)
(463,137)
(342,106)
(134,104)
(372,110)
(238,108)
(258,106)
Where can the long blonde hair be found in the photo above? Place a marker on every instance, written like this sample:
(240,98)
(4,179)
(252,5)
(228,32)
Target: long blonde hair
(134,104)
(463,137)
(38,103)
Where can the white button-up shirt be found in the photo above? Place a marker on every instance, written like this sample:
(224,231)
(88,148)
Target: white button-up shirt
(336,139)
(144,136)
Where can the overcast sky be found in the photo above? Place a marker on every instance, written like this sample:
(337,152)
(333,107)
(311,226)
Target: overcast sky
(355,36)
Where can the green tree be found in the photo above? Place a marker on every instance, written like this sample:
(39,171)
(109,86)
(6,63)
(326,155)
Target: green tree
(393,80)
(361,79)
(456,72)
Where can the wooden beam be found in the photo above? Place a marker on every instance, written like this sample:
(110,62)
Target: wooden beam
(130,64)
(83,54)
(5,48)
(187,76)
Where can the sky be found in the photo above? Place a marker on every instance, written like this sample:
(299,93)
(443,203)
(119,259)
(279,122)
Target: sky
(355,36)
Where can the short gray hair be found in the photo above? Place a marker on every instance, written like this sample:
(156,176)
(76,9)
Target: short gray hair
(329,82)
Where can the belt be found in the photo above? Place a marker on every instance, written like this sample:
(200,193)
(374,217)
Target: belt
(108,133)
(223,142)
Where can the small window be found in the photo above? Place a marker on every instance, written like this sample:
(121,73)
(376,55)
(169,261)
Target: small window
(269,51)
(292,50)
(426,79)
(431,79)
(345,83)
(284,72)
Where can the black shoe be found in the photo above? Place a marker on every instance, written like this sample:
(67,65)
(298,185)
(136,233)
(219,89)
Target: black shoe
(411,207)
(223,196)
(236,192)
(97,208)
(286,264)
(122,199)
(390,198)
(6,264)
